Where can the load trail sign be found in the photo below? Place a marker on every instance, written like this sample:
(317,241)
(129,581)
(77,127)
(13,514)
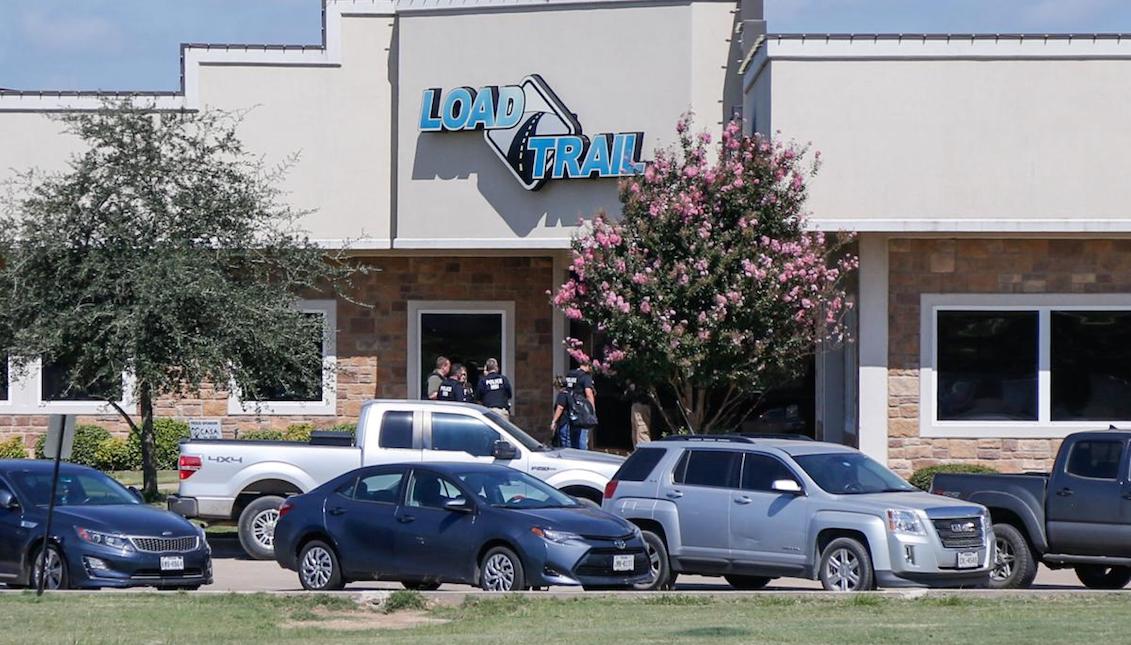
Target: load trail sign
(532,132)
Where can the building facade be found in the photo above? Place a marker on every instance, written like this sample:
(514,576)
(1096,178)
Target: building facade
(454,146)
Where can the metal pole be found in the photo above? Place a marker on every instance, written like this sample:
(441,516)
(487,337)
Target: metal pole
(50,509)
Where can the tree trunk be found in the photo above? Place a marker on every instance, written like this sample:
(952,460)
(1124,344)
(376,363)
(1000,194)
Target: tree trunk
(148,444)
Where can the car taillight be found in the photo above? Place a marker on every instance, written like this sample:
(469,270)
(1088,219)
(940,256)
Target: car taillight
(287,507)
(610,489)
(187,465)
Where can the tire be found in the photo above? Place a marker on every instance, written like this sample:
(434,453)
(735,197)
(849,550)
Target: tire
(257,527)
(1014,566)
(57,577)
(318,568)
(501,570)
(657,552)
(420,585)
(748,583)
(846,566)
(1097,576)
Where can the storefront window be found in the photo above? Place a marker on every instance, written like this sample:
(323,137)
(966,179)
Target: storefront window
(53,386)
(1091,365)
(286,387)
(987,365)
(467,338)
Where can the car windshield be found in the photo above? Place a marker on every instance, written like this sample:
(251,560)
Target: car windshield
(846,473)
(74,489)
(512,489)
(530,443)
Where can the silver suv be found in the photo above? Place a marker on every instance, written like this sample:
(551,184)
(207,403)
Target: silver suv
(754,509)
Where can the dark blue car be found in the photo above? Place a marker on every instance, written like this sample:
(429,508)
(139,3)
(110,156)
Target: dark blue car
(101,534)
(478,524)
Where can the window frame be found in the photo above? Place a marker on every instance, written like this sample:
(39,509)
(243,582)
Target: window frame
(25,395)
(328,406)
(747,455)
(1043,305)
(685,460)
(398,496)
(417,308)
(1120,462)
(430,443)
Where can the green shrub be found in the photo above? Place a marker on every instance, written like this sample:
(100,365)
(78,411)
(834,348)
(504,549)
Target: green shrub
(298,432)
(402,599)
(167,435)
(345,426)
(13,448)
(116,453)
(85,446)
(262,434)
(922,478)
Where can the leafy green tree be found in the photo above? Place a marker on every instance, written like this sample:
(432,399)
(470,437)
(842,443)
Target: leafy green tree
(163,252)
(709,289)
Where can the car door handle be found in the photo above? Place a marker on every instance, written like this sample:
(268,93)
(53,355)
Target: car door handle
(1064,492)
(742,500)
(337,510)
(1126,495)
(674,494)
(405,519)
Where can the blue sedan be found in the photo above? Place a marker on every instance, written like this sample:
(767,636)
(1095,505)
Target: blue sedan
(101,533)
(478,524)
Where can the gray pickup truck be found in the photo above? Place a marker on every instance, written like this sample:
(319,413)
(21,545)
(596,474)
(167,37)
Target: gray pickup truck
(1079,515)
(755,509)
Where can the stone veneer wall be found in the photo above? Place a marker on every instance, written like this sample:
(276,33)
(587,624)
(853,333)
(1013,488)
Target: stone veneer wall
(372,343)
(918,266)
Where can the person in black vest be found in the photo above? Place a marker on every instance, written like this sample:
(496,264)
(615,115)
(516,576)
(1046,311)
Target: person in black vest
(450,388)
(580,387)
(494,389)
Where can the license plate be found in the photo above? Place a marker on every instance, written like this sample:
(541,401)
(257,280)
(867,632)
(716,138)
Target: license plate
(172,563)
(623,563)
(968,560)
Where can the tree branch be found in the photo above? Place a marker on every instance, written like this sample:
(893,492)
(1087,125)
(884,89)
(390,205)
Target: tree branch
(125,415)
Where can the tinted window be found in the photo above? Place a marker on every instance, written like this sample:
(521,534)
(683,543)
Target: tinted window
(381,487)
(851,473)
(75,489)
(986,365)
(709,468)
(640,464)
(286,384)
(1095,459)
(759,472)
(462,433)
(1091,365)
(430,490)
(506,488)
(396,430)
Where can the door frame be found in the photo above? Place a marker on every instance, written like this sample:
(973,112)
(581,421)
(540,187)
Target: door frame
(417,308)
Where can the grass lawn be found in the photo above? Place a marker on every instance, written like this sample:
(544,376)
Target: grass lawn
(187,618)
(167,480)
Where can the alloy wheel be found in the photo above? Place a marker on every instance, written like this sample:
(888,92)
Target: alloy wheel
(317,567)
(1004,559)
(498,573)
(54,570)
(653,560)
(263,527)
(843,570)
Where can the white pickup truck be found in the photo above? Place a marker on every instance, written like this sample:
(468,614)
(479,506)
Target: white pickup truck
(225,480)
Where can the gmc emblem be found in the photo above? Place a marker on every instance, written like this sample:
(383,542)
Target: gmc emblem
(965,527)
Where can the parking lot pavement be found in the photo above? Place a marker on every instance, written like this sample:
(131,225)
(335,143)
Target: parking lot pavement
(234,571)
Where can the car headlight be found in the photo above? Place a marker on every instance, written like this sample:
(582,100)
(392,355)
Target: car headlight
(560,537)
(120,542)
(905,522)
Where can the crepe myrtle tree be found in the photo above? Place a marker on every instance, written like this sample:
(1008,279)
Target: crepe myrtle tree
(163,252)
(709,289)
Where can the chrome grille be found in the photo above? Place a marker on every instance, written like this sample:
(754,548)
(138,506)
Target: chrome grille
(960,532)
(166,544)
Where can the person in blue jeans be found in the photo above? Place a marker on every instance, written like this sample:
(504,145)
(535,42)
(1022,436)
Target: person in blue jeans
(564,435)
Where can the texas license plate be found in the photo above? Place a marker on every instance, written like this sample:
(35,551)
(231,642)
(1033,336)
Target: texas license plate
(623,562)
(968,560)
(172,563)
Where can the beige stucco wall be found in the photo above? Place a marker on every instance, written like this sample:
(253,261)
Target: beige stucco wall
(960,139)
(619,68)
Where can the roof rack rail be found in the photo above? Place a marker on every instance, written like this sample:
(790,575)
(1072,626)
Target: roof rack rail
(707,438)
(791,436)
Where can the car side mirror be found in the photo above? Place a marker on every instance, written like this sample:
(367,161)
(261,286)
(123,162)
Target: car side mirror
(8,501)
(137,493)
(458,505)
(503,450)
(786,486)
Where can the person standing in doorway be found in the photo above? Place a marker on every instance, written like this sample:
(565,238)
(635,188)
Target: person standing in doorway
(451,388)
(494,389)
(461,376)
(436,378)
